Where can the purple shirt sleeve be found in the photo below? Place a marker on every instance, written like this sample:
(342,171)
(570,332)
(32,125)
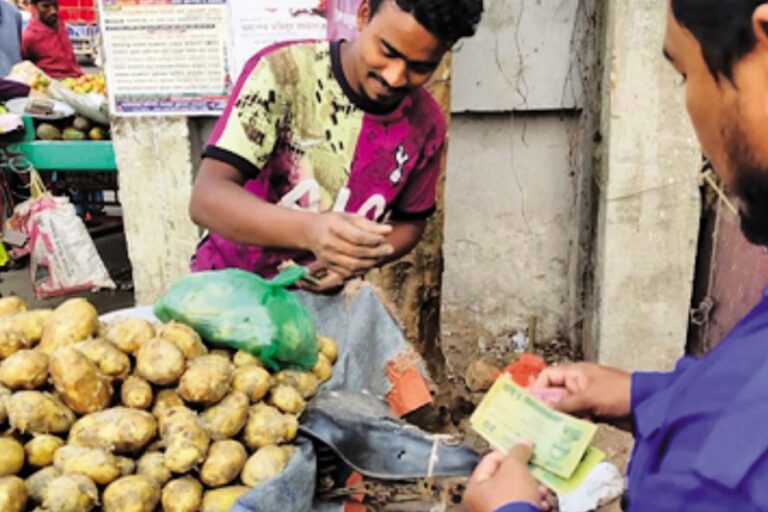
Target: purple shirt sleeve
(517,506)
(645,384)
(10,89)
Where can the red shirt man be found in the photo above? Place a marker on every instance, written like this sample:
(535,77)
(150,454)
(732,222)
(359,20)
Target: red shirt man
(46,43)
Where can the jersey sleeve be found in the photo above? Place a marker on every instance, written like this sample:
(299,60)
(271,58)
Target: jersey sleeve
(247,132)
(417,200)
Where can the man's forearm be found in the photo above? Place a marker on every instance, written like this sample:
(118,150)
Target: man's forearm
(228,209)
(404,237)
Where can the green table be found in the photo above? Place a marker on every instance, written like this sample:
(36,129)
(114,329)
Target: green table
(64,155)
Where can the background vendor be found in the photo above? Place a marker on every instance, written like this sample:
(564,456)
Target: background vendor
(46,44)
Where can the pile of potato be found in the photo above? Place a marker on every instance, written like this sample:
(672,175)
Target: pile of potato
(135,416)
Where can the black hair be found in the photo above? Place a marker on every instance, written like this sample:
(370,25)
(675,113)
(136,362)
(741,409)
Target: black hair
(448,20)
(723,29)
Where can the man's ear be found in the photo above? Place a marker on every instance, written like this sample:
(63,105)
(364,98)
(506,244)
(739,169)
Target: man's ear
(363,15)
(760,24)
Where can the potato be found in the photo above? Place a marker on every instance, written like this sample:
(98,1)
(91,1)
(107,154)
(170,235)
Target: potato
(26,369)
(207,380)
(127,465)
(305,383)
(82,387)
(268,462)
(135,493)
(13,494)
(328,348)
(97,464)
(12,458)
(166,400)
(243,358)
(186,442)
(71,493)
(37,483)
(152,465)
(323,369)
(41,448)
(12,304)
(129,334)
(287,399)
(11,341)
(110,360)
(5,394)
(185,338)
(74,320)
(252,380)
(120,429)
(224,462)
(160,362)
(266,426)
(136,393)
(227,419)
(38,413)
(182,495)
(223,499)
(31,323)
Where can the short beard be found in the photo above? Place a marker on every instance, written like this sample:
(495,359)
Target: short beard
(751,186)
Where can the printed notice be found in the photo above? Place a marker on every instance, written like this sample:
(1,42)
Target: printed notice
(166,57)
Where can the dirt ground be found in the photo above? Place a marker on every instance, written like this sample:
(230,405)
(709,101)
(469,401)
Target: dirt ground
(464,342)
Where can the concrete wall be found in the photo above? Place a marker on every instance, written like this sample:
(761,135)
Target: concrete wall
(648,220)
(511,221)
(514,170)
(574,204)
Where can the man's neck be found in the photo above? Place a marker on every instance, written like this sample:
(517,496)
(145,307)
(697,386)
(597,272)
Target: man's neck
(52,27)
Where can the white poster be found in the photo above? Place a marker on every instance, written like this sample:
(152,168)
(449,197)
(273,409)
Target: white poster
(257,24)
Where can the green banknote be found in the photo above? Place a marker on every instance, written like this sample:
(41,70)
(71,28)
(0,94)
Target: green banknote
(592,458)
(508,414)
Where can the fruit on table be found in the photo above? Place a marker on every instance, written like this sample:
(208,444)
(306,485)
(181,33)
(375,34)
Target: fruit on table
(47,131)
(72,134)
(87,83)
(81,123)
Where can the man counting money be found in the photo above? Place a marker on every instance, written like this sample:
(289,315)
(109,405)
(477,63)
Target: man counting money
(700,441)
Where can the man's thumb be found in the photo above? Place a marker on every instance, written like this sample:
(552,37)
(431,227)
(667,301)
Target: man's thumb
(572,404)
(520,453)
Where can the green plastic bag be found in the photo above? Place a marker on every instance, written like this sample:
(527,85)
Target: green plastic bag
(241,310)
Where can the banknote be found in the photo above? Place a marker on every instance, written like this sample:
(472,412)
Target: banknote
(591,458)
(508,414)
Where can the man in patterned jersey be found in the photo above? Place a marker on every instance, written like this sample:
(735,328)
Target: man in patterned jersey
(328,153)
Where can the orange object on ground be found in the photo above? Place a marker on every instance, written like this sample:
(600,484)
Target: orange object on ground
(525,370)
(409,390)
(356,500)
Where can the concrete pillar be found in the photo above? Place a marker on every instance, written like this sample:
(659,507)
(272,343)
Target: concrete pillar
(648,200)
(156,158)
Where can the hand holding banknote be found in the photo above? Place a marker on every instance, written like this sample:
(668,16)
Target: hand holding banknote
(500,479)
(586,389)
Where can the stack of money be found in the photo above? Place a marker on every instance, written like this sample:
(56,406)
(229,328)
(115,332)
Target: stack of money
(562,455)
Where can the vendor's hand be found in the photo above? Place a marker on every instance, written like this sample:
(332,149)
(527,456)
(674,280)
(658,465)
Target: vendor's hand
(321,280)
(590,389)
(500,479)
(348,245)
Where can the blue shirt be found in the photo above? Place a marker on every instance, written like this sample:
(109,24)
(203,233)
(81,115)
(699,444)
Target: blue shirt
(10,37)
(701,432)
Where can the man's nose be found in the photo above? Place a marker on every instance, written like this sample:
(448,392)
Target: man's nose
(396,74)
